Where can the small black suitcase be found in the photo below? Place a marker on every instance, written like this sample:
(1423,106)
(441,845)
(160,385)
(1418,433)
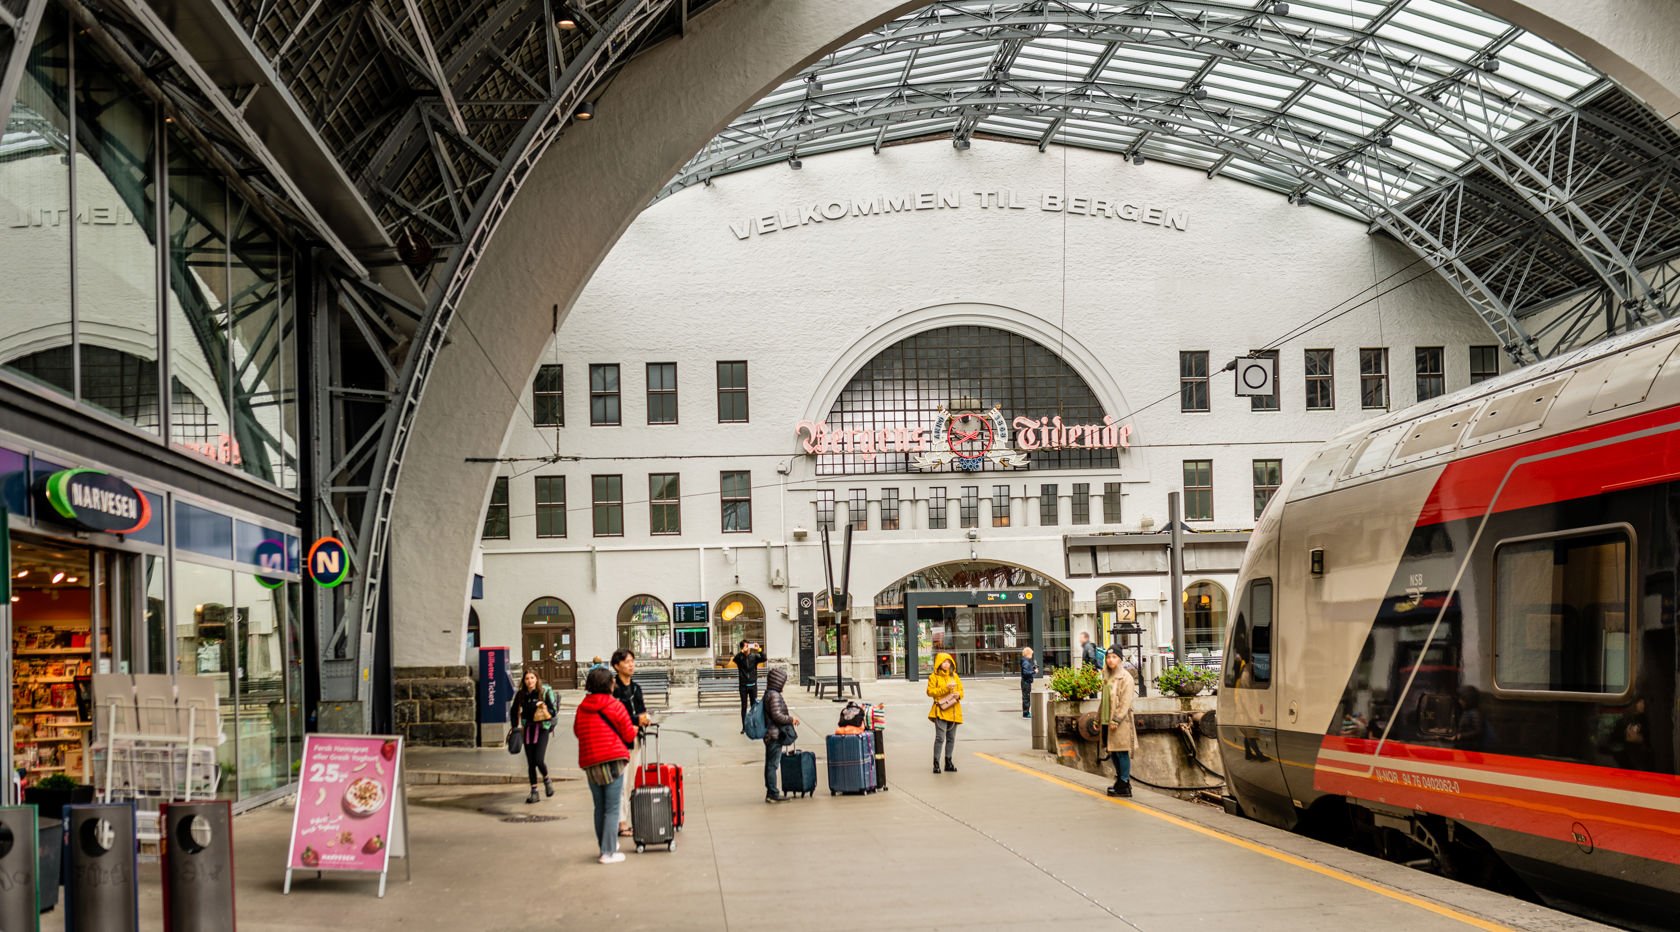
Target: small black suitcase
(653,817)
(880,758)
(799,773)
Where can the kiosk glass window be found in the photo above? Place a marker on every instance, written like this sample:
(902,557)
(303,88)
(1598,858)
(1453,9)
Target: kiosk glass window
(1205,610)
(644,626)
(738,616)
(207,646)
(200,367)
(260,685)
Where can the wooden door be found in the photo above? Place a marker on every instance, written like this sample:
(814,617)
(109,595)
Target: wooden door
(550,649)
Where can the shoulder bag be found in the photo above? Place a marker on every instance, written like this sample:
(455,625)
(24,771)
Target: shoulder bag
(515,739)
(949,699)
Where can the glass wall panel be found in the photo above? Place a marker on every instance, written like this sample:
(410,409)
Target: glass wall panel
(294,680)
(260,685)
(207,645)
(198,306)
(116,252)
(257,284)
(151,643)
(35,207)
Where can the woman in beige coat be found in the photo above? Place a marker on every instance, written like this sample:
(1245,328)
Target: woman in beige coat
(1115,712)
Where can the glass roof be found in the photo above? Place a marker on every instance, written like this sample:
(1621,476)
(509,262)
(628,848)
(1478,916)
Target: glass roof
(1354,105)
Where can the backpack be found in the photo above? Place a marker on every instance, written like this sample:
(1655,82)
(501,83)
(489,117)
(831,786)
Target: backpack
(852,716)
(757,725)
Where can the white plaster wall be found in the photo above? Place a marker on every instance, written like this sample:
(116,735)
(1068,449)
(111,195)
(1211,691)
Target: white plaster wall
(807,306)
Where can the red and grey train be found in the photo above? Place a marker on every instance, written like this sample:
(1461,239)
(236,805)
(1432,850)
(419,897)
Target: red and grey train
(1455,637)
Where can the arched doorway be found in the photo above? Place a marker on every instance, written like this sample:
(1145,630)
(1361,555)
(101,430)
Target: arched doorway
(1114,606)
(740,616)
(1205,611)
(548,642)
(981,612)
(644,626)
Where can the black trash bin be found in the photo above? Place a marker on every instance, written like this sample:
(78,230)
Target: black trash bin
(52,855)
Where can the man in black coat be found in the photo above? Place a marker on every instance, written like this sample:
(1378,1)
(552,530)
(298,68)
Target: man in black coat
(778,731)
(628,691)
(748,658)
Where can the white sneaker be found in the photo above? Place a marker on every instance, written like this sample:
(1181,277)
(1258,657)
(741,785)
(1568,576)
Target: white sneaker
(613,858)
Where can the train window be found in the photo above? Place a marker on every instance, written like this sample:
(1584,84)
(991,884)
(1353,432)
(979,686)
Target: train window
(1562,613)
(1250,652)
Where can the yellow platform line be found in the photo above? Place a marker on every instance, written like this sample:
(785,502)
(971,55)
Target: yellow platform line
(1257,848)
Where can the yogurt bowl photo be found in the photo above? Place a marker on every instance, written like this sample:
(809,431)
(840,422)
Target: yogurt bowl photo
(363,797)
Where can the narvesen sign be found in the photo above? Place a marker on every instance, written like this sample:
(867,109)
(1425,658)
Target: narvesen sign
(966,439)
(97,501)
(1002,200)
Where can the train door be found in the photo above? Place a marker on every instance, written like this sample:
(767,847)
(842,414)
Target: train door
(1248,708)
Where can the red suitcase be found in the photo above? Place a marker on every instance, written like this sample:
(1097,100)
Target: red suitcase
(659,773)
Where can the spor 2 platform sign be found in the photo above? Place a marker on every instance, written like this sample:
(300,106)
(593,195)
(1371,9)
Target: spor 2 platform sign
(97,501)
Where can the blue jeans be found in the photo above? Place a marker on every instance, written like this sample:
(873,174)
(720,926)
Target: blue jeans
(772,766)
(1122,766)
(607,802)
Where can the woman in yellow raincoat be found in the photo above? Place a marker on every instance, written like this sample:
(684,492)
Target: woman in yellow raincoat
(946,689)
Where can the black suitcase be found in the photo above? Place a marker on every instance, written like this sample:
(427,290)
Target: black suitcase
(799,773)
(880,759)
(653,817)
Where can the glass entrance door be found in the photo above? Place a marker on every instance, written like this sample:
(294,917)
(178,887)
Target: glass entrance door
(984,640)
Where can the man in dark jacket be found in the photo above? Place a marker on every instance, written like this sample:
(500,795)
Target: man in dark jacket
(1029,670)
(778,731)
(628,691)
(748,658)
(1088,651)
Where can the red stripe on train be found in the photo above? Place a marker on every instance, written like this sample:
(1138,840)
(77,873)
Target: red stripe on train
(1467,487)
(1477,798)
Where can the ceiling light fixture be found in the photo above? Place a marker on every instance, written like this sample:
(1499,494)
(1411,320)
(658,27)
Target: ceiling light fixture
(57,577)
(1137,158)
(1280,9)
(564,20)
(794,162)
(1199,92)
(72,579)
(960,143)
(1490,65)
(814,81)
(585,111)
(1385,141)
(22,573)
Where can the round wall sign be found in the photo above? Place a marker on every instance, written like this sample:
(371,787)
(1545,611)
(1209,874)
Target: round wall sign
(329,562)
(271,556)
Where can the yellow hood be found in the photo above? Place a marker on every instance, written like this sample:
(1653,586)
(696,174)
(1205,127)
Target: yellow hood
(939,661)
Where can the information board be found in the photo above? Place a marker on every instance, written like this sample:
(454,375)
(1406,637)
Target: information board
(807,637)
(351,812)
(494,688)
(690,614)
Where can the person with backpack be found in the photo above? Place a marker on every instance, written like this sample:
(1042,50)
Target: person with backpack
(629,692)
(946,689)
(748,658)
(605,735)
(536,705)
(1029,670)
(778,730)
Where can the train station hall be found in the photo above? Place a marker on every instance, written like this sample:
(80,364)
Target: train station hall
(840,464)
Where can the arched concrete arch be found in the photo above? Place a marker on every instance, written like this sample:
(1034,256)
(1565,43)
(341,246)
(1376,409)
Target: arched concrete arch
(664,106)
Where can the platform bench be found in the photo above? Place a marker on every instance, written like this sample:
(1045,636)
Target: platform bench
(712,684)
(656,684)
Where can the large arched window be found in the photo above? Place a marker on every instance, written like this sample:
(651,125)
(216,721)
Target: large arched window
(644,626)
(1205,610)
(1109,598)
(739,616)
(964,369)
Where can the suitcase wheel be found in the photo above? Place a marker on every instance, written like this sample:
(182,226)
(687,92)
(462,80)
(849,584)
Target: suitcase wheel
(640,847)
(672,846)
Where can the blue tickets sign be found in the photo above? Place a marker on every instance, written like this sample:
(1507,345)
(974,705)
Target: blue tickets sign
(495,687)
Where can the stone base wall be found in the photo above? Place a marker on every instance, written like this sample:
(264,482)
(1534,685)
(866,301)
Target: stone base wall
(436,706)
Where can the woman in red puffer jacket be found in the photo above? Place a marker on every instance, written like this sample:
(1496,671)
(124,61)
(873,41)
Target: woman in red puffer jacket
(605,735)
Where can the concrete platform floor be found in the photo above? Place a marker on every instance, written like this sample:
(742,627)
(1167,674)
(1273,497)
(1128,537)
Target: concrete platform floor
(1011,841)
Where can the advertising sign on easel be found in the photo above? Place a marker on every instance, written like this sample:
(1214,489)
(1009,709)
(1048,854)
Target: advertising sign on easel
(352,814)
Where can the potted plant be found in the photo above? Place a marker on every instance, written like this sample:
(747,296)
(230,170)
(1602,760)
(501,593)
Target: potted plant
(1072,684)
(52,793)
(1183,681)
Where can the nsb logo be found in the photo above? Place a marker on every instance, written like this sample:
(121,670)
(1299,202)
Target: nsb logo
(329,562)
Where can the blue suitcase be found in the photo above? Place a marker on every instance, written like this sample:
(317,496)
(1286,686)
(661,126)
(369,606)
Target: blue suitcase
(851,763)
(799,773)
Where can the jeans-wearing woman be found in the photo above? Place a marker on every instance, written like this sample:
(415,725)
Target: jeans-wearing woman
(605,735)
(946,689)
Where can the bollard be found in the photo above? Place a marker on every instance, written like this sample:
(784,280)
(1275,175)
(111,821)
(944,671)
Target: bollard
(20,906)
(100,892)
(198,866)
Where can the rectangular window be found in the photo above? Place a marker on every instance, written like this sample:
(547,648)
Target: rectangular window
(551,506)
(732,392)
(858,510)
(607,499)
(1321,380)
(1431,372)
(1267,402)
(548,407)
(496,514)
(936,509)
(1193,380)
(1048,506)
(889,509)
(1081,507)
(1111,503)
(1198,490)
(1251,639)
(661,393)
(1268,476)
(969,514)
(1373,379)
(664,503)
(1484,363)
(1561,613)
(1000,506)
(737,501)
(825,510)
(603,395)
